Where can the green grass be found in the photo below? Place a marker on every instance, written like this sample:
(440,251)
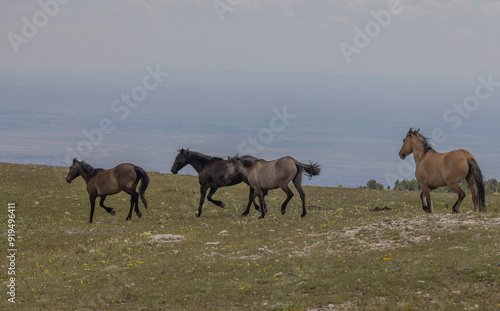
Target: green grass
(341,256)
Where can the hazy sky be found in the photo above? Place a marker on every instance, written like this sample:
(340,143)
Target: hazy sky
(451,38)
(356,64)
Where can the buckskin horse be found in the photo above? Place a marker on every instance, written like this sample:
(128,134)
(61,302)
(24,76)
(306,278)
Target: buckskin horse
(267,175)
(434,169)
(100,183)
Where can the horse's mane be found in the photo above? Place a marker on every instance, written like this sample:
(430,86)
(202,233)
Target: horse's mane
(249,161)
(200,157)
(246,160)
(425,142)
(89,169)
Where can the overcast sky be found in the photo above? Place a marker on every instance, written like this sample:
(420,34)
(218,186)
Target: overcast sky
(422,61)
(450,38)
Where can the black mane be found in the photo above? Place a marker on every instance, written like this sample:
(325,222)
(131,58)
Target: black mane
(89,169)
(425,142)
(200,157)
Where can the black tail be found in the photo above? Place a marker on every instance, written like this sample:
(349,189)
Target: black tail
(311,169)
(478,177)
(143,176)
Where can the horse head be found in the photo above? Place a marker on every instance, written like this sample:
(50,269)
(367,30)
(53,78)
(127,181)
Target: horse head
(231,168)
(180,161)
(74,171)
(407,147)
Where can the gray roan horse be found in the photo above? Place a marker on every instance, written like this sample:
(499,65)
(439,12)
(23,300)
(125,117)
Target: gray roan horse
(210,175)
(100,183)
(266,175)
(434,169)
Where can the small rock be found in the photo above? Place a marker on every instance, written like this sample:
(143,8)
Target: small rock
(212,243)
(163,238)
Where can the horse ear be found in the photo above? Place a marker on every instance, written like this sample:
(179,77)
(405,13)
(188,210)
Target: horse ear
(75,160)
(233,159)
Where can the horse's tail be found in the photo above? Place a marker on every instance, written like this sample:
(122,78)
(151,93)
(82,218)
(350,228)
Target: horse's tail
(143,176)
(478,178)
(311,169)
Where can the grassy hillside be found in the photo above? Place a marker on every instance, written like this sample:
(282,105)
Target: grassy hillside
(341,256)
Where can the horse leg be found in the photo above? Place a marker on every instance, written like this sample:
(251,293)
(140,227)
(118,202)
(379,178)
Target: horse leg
(289,196)
(425,196)
(209,197)
(461,196)
(297,182)
(429,202)
(473,191)
(135,198)
(262,202)
(92,206)
(250,199)
(136,209)
(134,202)
(203,192)
(424,202)
(302,197)
(264,193)
(108,209)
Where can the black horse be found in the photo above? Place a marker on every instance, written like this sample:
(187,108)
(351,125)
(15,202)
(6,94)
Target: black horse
(210,175)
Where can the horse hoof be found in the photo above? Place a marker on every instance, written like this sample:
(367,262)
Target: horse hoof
(244,214)
(283,212)
(90,221)
(222,205)
(128,218)
(112,212)
(139,215)
(303,215)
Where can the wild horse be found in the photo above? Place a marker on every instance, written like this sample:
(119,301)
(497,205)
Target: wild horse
(100,183)
(434,169)
(210,175)
(267,175)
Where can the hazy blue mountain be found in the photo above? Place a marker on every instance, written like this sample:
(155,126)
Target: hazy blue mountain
(352,125)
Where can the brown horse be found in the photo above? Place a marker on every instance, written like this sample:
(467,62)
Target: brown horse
(267,175)
(100,183)
(434,169)
(210,175)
